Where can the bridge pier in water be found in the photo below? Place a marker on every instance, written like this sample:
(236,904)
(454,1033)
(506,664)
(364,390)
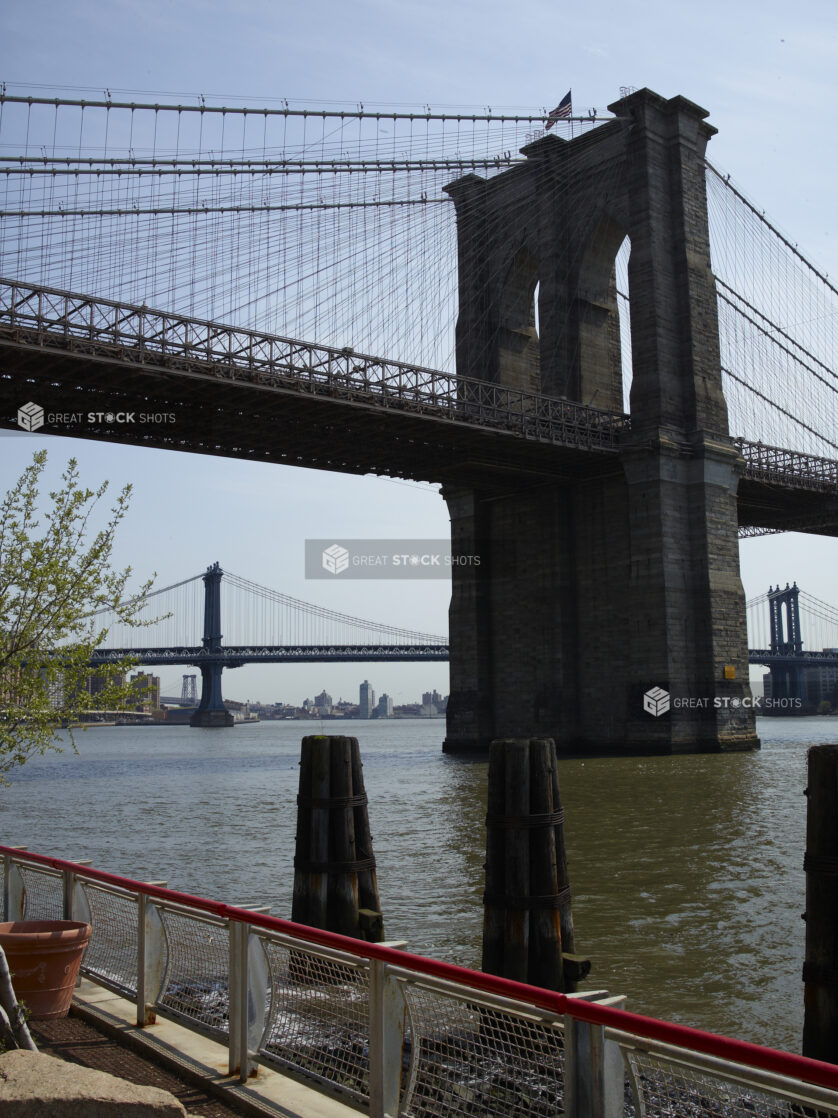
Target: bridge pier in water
(599,586)
(211,712)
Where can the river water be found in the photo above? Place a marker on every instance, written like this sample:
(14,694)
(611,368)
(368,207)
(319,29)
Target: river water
(686,871)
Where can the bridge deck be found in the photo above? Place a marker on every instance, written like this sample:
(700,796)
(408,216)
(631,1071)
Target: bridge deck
(296,403)
(237,655)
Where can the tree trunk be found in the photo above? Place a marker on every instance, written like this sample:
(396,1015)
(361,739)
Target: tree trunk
(13,1029)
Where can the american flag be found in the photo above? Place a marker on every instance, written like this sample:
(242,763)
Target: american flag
(561,112)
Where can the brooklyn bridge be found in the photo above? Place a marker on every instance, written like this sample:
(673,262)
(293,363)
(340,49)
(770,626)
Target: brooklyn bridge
(606,354)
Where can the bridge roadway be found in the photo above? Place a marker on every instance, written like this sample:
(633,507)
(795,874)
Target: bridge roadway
(801,659)
(298,403)
(237,655)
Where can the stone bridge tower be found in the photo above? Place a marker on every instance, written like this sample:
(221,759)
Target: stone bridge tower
(623,576)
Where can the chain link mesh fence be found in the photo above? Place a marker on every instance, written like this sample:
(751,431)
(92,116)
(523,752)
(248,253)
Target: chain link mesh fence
(43,894)
(196,979)
(666,1088)
(318,1022)
(469,1060)
(111,956)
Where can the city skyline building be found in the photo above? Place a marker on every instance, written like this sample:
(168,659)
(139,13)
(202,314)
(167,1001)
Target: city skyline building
(366,700)
(323,703)
(146,689)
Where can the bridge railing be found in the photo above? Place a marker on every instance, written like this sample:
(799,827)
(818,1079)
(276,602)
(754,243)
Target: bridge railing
(779,465)
(235,655)
(811,658)
(393,1033)
(138,335)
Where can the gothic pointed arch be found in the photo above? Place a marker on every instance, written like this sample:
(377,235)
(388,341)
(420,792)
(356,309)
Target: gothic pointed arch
(597,362)
(519,356)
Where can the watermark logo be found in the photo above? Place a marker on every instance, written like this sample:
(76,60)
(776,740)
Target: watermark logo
(656,701)
(30,417)
(394,559)
(111,417)
(335,559)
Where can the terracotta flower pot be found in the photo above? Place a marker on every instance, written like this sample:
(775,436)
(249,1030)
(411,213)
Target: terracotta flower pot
(44,958)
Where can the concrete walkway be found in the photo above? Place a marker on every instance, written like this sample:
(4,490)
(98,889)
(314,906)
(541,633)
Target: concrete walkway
(196,1066)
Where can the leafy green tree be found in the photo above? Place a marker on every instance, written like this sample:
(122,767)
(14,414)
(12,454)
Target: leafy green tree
(53,575)
(52,578)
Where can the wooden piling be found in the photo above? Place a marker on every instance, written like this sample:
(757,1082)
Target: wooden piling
(527,900)
(494,911)
(575,967)
(370,905)
(335,886)
(820,969)
(546,943)
(516,857)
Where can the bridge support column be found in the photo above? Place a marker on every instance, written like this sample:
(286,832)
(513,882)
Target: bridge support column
(609,580)
(588,595)
(470,713)
(788,680)
(537,630)
(211,712)
(686,601)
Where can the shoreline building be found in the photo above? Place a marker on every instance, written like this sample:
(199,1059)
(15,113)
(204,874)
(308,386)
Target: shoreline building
(146,691)
(366,701)
(323,704)
(384,707)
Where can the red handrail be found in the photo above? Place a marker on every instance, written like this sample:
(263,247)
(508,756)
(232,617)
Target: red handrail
(681,1036)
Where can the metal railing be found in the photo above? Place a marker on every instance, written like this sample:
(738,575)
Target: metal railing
(234,655)
(812,659)
(781,466)
(395,1034)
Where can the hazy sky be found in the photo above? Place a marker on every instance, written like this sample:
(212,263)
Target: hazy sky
(766,71)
